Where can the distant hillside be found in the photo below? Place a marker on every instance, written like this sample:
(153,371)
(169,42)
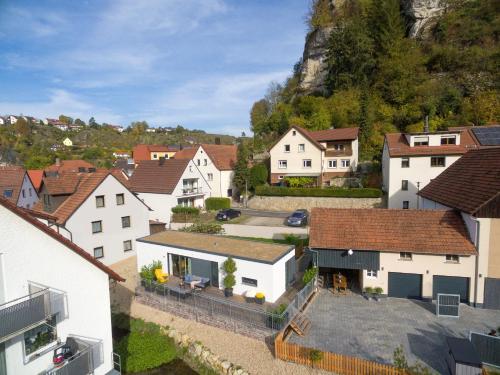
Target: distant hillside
(384,65)
(36,146)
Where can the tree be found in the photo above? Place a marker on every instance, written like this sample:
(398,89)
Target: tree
(386,25)
(241,171)
(66,119)
(259,115)
(79,122)
(258,175)
(139,128)
(365,127)
(22,127)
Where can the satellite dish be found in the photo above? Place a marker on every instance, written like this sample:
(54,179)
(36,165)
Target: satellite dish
(350,252)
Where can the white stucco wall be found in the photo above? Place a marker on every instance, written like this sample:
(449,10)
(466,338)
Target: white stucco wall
(29,255)
(270,278)
(112,235)
(29,198)
(221,181)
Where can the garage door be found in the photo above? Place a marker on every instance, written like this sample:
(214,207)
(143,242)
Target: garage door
(405,285)
(451,285)
(491,293)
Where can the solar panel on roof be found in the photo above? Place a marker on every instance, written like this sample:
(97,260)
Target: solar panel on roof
(488,136)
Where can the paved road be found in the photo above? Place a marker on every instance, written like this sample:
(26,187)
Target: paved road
(250,212)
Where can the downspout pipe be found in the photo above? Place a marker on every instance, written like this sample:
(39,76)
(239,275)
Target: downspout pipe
(476,244)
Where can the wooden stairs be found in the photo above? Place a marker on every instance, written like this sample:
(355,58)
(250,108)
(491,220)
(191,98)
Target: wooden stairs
(300,324)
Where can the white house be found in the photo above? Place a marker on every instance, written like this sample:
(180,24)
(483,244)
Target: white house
(261,267)
(51,293)
(471,187)
(322,155)
(216,163)
(67,142)
(96,211)
(411,161)
(16,186)
(11,119)
(166,183)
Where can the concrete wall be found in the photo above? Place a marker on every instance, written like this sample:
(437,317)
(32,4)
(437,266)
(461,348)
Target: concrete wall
(112,236)
(293,203)
(30,255)
(270,278)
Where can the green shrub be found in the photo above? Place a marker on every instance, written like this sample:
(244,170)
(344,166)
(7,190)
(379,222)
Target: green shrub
(369,290)
(229,281)
(229,268)
(378,290)
(309,274)
(315,355)
(258,175)
(148,271)
(207,228)
(279,191)
(186,210)
(300,182)
(214,204)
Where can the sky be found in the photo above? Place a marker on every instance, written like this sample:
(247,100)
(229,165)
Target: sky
(196,63)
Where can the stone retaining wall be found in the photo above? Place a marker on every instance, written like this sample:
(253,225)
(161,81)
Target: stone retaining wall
(293,203)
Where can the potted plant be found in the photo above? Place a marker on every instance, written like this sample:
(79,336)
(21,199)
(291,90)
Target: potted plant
(229,268)
(260,298)
(368,293)
(378,293)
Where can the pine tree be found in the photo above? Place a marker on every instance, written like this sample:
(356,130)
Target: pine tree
(241,170)
(386,24)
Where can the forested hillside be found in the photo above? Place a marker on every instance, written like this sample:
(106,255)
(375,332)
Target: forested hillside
(378,78)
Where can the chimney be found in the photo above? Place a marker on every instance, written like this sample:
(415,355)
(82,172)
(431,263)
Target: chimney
(58,162)
(162,160)
(426,124)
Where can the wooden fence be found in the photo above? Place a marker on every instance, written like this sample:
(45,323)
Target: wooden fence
(338,363)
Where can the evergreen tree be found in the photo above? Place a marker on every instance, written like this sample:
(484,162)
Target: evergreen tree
(241,171)
(386,25)
(365,127)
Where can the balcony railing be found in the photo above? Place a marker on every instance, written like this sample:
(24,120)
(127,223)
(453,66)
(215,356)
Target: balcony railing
(24,313)
(192,190)
(88,357)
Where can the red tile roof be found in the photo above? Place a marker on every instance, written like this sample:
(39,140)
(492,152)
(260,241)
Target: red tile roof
(24,214)
(69,166)
(398,146)
(388,230)
(223,156)
(63,183)
(186,153)
(36,176)
(152,177)
(142,151)
(339,134)
(11,178)
(470,183)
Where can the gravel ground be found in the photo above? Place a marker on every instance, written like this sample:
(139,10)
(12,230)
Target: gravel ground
(265,221)
(253,355)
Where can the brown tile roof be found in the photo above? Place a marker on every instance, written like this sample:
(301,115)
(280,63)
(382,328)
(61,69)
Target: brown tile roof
(416,231)
(70,245)
(468,184)
(62,184)
(11,178)
(142,151)
(223,156)
(69,166)
(120,176)
(398,146)
(152,177)
(221,245)
(335,134)
(36,176)
(186,153)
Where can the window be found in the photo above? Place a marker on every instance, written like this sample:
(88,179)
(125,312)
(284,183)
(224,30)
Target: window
(230,192)
(406,205)
(280,177)
(40,336)
(371,274)
(99,201)
(294,132)
(307,163)
(302,147)
(8,193)
(452,258)
(421,141)
(98,252)
(438,161)
(205,162)
(127,245)
(210,176)
(126,222)
(339,147)
(155,156)
(287,148)
(24,193)
(449,140)
(282,164)
(346,163)
(405,162)
(46,200)
(405,256)
(30,192)
(198,161)
(248,281)
(120,199)
(97,226)
(404,185)
(332,163)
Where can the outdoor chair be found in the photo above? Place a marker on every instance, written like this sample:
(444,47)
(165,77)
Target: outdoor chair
(161,277)
(196,281)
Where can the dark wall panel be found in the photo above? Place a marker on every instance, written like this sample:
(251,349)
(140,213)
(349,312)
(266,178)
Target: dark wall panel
(491,293)
(366,260)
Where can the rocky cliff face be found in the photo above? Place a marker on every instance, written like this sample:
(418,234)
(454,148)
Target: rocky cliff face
(420,15)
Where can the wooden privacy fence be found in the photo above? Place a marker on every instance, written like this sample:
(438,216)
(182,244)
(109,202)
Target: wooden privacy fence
(338,363)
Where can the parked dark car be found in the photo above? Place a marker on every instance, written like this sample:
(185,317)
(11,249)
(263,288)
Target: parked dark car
(298,218)
(228,214)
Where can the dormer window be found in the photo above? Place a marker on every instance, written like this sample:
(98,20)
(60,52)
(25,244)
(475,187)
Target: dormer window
(421,141)
(448,140)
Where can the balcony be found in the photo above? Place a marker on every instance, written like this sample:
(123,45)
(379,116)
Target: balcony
(191,190)
(87,356)
(24,313)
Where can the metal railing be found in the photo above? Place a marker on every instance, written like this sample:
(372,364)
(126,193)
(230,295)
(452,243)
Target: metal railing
(220,311)
(192,190)
(21,314)
(487,347)
(85,361)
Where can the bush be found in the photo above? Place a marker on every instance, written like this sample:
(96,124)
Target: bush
(309,274)
(214,204)
(300,182)
(204,228)
(258,175)
(186,210)
(148,271)
(278,191)
(229,268)
(229,281)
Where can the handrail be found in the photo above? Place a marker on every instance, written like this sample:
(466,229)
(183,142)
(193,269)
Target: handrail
(27,296)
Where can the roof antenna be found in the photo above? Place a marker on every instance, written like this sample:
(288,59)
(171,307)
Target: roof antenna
(426,124)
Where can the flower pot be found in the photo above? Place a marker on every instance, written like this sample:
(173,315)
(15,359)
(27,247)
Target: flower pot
(228,292)
(260,301)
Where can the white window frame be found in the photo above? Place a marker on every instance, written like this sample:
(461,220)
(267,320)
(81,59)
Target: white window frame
(331,162)
(424,139)
(301,147)
(406,256)
(443,137)
(210,176)
(304,161)
(449,258)
(282,164)
(403,160)
(371,274)
(343,163)
(439,157)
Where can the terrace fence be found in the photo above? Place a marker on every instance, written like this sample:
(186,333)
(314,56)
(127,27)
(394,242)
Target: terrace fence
(487,347)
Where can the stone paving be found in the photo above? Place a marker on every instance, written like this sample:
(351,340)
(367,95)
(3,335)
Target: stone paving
(372,330)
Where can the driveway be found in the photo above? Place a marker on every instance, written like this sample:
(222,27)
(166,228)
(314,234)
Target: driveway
(264,220)
(372,330)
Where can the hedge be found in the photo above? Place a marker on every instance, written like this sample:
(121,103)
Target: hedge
(279,191)
(186,210)
(213,204)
